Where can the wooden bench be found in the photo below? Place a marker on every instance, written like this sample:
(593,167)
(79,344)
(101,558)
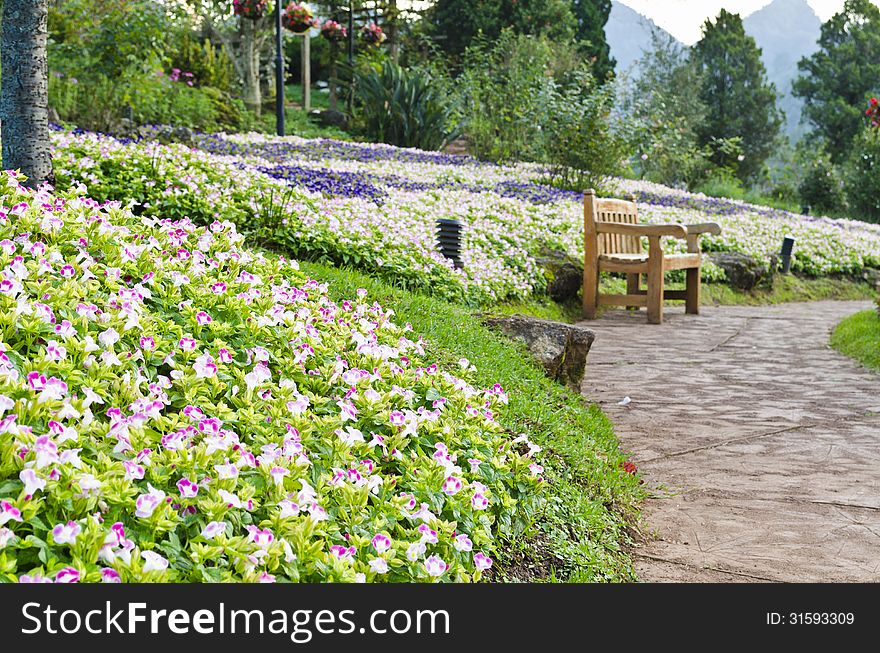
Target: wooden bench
(613,243)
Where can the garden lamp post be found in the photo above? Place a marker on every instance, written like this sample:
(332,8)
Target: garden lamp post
(279,72)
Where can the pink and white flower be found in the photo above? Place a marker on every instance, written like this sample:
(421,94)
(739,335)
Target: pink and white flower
(153,562)
(147,503)
(66,533)
(435,566)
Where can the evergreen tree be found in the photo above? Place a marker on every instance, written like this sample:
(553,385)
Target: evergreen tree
(741,102)
(838,79)
(591,16)
(456,23)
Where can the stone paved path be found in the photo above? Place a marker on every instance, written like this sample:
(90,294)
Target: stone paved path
(761,444)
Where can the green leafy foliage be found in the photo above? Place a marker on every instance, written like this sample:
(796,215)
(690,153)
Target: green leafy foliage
(403,107)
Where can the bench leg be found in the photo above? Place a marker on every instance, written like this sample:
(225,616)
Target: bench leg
(655,281)
(632,287)
(692,300)
(591,292)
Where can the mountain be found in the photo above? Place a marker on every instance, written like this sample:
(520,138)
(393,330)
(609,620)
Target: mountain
(786,31)
(628,34)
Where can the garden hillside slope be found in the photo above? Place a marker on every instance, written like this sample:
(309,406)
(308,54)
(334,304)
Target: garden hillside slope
(177,407)
(374,207)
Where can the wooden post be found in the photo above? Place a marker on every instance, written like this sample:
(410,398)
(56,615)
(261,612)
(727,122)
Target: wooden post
(306,72)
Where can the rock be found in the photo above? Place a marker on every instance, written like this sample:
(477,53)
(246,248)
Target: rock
(742,271)
(872,276)
(560,348)
(565,274)
(330,118)
(566,283)
(165,134)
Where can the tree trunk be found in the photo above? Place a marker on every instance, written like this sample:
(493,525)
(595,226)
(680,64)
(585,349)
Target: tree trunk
(24,96)
(334,76)
(250,60)
(391,21)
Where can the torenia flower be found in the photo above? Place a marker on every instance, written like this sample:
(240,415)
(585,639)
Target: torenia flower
(435,566)
(429,535)
(5,536)
(153,561)
(379,566)
(66,533)
(213,529)
(110,576)
(462,543)
(261,537)
(482,561)
(187,488)
(31,481)
(381,543)
(67,575)
(415,551)
(8,512)
(452,485)
(205,367)
(133,471)
(479,502)
(203,318)
(147,503)
(342,553)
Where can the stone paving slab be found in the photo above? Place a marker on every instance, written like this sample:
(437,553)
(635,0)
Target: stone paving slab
(761,445)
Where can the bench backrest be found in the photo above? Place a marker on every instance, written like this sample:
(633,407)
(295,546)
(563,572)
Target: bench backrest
(598,209)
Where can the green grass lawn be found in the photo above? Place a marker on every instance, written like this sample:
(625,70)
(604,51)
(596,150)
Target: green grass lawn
(590,501)
(858,337)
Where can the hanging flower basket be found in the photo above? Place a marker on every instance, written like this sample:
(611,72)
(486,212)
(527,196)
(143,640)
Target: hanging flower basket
(372,34)
(333,31)
(297,18)
(252,9)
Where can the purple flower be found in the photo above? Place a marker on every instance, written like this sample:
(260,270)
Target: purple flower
(187,488)
(482,561)
(435,566)
(66,533)
(67,575)
(381,543)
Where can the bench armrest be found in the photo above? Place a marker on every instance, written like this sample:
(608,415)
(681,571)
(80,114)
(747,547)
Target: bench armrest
(655,230)
(704,228)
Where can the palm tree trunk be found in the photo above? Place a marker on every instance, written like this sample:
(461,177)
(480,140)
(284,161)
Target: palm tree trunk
(24,96)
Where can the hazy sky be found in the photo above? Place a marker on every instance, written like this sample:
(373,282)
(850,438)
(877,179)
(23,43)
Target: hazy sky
(683,18)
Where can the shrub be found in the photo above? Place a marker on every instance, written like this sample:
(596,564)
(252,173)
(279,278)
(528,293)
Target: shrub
(179,408)
(401,107)
(581,145)
(821,189)
(862,176)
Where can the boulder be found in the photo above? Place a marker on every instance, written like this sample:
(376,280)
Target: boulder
(560,348)
(872,277)
(329,118)
(742,271)
(565,274)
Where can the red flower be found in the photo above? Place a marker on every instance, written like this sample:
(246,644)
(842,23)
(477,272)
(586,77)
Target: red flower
(630,467)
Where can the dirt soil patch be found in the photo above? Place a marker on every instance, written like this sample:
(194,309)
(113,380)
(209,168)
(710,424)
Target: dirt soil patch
(761,445)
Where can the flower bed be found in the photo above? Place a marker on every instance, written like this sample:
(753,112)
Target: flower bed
(374,207)
(176,407)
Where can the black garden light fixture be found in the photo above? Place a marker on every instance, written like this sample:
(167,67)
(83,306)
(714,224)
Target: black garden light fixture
(279,72)
(785,254)
(449,240)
